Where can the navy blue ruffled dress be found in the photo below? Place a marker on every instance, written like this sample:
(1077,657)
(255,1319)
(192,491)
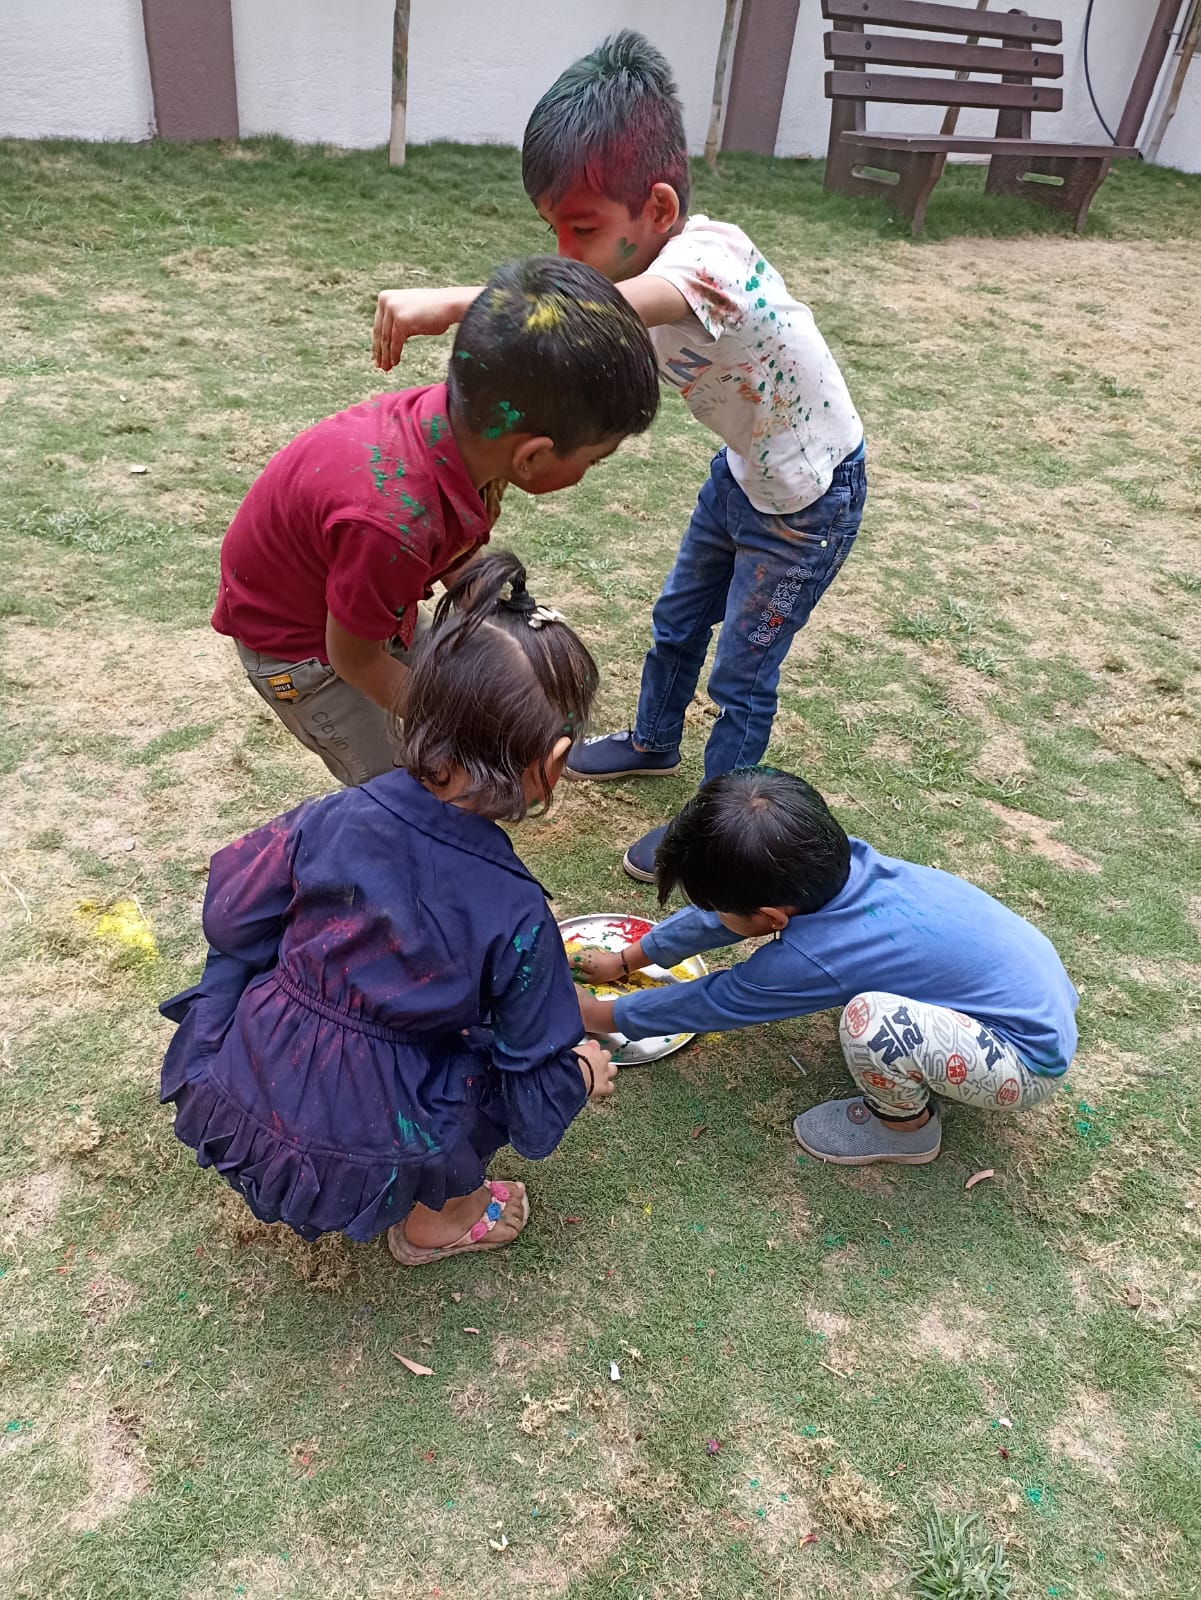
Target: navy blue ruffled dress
(386,1002)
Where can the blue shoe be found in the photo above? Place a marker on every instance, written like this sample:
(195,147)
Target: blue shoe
(612,755)
(848,1134)
(639,859)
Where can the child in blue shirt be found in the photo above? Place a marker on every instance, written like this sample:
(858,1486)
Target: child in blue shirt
(386,1001)
(944,991)
(605,162)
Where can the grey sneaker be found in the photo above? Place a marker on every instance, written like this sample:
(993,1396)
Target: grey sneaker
(848,1134)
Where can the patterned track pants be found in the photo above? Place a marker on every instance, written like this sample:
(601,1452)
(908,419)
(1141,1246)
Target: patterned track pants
(901,1051)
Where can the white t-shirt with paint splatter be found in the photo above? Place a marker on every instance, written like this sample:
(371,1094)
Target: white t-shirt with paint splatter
(752,366)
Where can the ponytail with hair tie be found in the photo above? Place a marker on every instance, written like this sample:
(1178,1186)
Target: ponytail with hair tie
(522,604)
(487,707)
(519,599)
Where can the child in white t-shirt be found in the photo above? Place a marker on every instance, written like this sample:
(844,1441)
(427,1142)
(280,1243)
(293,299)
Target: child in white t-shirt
(605,163)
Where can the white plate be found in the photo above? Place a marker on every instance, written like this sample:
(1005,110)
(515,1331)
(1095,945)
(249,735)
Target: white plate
(614,933)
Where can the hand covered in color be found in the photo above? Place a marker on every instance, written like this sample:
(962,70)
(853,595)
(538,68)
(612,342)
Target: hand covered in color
(596,966)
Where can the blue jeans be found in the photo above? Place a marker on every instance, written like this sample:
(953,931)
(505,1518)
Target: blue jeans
(759,576)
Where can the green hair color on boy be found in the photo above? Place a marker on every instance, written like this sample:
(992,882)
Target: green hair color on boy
(550,347)
(612,121)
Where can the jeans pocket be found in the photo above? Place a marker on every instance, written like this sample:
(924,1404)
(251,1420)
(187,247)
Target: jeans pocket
(816,532)
(294,682)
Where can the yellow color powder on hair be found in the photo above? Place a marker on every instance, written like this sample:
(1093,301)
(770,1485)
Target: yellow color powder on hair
(546,313)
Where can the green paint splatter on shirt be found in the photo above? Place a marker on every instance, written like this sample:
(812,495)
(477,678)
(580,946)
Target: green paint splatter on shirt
(378,471)
(436,427)
(411,1133)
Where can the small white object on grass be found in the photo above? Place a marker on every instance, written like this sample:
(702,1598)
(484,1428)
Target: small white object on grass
(614,1372)
(137,471)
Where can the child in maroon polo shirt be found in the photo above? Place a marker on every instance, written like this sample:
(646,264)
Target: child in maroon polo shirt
(347,528)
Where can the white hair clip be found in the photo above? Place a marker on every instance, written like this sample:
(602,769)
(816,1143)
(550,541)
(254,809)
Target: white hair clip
(541,614)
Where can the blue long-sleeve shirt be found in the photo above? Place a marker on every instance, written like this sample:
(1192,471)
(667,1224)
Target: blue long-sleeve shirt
(895,926)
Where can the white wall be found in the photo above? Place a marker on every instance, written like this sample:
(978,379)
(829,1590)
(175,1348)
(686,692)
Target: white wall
(1119,32)
(320,72)
(74,69)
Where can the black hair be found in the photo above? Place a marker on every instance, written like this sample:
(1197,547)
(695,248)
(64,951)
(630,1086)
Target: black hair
(751,838)
(496,683)
(552,348)
(612,120)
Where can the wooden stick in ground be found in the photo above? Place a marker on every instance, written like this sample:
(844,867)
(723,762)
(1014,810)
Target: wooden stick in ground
(719,85)
(400,82)
(951,115)
(1187,51)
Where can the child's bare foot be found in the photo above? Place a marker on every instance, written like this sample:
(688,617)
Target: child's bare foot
(492,1216)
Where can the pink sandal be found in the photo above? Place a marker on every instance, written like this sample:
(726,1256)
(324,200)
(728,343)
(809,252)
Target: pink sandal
(409,1255)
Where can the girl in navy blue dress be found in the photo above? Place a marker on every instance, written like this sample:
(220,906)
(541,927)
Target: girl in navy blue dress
(386,999)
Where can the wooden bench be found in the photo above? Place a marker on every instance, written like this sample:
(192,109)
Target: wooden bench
(905,167)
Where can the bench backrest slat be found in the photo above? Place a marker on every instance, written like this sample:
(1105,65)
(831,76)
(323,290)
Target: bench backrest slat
(932,18)
(889,50)
(893,87)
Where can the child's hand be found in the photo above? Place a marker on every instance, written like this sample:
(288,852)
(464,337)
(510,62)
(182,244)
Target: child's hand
(400,313)
(596,1064)
(596,966)
(596,1015)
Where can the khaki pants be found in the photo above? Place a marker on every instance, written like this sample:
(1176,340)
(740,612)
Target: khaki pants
(328,715)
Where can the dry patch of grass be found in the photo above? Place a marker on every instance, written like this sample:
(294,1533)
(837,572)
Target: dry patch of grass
(1039,834)
(107,1445)
(30,1203)
(957,1333)
(1090,1435)
(326,1266)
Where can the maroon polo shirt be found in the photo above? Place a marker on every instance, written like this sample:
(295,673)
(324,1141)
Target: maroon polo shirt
(355,518)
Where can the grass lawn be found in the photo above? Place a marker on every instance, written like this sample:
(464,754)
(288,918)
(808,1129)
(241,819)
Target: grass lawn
(1004,681)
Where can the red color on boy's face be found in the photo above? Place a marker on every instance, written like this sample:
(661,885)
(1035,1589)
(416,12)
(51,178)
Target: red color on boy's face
(600,232)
